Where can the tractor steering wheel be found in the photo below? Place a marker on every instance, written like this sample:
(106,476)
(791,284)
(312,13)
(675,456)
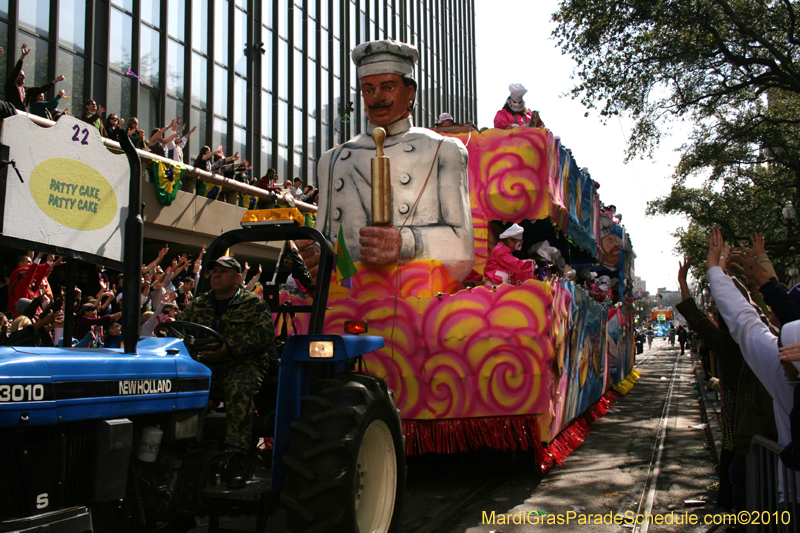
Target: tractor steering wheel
(207,339)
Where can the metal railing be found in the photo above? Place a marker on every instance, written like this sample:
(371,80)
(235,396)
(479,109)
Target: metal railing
(194,172)
(771,489)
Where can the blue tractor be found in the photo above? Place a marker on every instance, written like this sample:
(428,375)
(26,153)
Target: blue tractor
(103,439)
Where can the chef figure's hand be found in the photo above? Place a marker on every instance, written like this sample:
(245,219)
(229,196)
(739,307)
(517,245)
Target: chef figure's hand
(380,245)
(309,252)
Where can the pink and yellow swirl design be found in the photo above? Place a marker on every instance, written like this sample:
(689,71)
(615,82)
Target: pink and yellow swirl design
(476,353)
(511,173)
(421,279)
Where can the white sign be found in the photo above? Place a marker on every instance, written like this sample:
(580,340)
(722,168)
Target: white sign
(75,191)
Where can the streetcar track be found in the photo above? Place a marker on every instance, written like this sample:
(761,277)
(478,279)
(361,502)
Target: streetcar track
(459,506)
(451,512)
(650,487)
(455,509)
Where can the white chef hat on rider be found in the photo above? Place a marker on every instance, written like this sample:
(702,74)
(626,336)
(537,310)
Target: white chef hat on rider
(517,91)
(443,117)
(515,231)
(385,57)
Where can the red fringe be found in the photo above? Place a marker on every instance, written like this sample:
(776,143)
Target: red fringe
(505,433)
(453,435)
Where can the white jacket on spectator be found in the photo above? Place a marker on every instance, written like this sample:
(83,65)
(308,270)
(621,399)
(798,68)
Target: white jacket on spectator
(759,348)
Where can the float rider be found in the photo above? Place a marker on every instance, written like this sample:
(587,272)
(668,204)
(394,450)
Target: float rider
(244,321)
(502,266)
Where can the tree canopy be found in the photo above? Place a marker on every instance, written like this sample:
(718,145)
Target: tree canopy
(727,66)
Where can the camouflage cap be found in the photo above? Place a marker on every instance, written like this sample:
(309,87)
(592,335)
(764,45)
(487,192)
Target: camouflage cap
(229,262)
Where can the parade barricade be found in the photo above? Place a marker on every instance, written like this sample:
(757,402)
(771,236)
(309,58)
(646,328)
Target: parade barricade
(771,489)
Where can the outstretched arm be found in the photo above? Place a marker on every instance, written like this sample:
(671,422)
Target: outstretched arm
(683,270)
(153,264)
(759,346)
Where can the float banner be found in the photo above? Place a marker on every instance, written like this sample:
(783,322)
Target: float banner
(76,191)
(582,378)
(621,343)
(583,203)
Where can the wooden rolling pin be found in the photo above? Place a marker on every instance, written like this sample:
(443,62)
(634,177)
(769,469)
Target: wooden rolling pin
(381,182)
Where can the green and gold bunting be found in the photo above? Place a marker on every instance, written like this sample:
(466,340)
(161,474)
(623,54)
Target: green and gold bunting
(247,201)
(209,190)
(167,180)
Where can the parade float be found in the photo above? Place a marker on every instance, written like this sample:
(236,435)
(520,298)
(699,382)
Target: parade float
(511,367)
(661,319)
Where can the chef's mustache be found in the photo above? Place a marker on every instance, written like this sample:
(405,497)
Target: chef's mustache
(384,105)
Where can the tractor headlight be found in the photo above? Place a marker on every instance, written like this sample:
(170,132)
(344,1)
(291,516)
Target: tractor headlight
(320,349)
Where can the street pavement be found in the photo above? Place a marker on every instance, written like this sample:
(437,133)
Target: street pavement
(606,475)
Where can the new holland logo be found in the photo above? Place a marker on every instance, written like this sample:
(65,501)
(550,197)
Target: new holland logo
(144,386)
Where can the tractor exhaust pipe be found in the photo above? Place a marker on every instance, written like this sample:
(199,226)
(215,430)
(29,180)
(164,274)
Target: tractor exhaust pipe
(134,243)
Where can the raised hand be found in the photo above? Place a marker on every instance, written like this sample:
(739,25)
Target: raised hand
(759,244)
(748,266)
(715,246)
(724,258)
(683,270)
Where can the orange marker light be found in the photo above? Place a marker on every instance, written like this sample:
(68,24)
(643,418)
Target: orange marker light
(356,327)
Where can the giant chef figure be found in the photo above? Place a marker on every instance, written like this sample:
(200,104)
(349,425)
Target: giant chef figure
(430,213)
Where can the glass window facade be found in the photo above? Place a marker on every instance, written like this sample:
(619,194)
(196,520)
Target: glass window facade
(156,59)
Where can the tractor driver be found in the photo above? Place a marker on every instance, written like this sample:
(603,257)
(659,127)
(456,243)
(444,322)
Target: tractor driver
(244,321)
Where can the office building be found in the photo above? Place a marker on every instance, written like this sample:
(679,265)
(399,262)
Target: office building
(270,79)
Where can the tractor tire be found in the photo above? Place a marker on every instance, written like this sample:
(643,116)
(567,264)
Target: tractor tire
(346,470)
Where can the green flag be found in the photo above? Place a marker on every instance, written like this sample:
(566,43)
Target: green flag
(344,265)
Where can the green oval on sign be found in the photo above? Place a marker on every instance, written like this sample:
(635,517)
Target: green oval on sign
(73,194)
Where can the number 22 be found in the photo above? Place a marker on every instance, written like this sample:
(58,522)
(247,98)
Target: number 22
(77,132)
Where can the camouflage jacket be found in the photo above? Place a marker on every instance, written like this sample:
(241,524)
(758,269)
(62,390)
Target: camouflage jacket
(246,325)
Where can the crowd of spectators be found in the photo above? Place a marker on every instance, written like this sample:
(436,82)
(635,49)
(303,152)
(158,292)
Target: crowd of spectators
(168,142)
(752,327)
(34,314)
